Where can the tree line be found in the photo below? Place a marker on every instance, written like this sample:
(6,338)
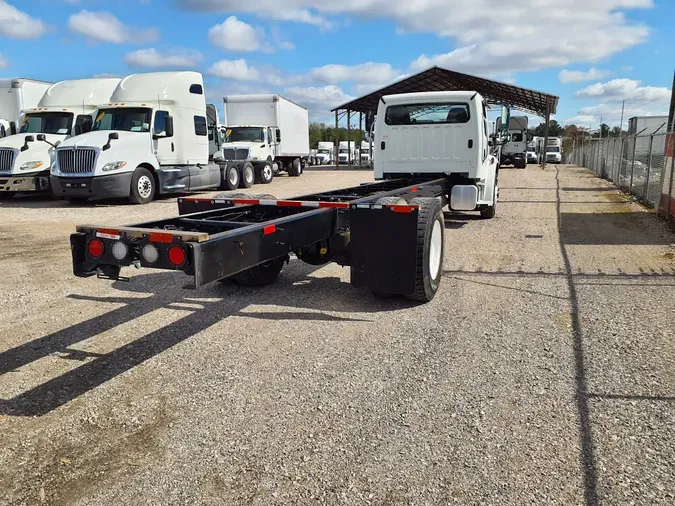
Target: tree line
(319,132)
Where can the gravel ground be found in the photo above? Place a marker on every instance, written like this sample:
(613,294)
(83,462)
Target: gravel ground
(542,373)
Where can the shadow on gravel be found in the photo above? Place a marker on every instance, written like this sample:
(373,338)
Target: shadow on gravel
(295,288)
(609,229)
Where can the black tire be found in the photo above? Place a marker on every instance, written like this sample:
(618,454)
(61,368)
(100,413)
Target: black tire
(143,186)
(260,275)
(489,212)
(7,195)
(264,173)
(430,224)
(230,177)
(76,201)
(295,168)
(247,175)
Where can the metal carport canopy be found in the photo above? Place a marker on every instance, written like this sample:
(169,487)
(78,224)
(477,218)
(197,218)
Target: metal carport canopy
(440,79)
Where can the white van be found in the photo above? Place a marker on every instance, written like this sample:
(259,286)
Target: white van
(67,108)
(151,138)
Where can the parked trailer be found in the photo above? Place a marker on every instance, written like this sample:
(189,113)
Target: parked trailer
(390,233)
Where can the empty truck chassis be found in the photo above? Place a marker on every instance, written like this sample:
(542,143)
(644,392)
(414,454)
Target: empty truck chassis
(387,232)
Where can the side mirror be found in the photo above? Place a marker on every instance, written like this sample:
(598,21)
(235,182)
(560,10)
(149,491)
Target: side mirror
(168,126)
(41,137)
(2,131)
(113,136)
(12,128)
(278,135)
(29,138)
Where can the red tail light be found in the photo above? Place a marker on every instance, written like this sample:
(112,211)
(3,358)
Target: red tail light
(176,255)
(95,248)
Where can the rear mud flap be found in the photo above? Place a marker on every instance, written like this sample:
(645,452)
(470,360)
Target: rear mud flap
(383,250)
(81,267)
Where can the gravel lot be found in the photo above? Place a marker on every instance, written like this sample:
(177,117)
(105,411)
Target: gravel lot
(542,373)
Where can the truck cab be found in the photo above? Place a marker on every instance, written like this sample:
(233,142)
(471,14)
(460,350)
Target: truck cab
(514,151)
(554,150)
(324,153)
(365,153)
(16,95)
(347,152)
(152,138)
(66,109)
(439,134)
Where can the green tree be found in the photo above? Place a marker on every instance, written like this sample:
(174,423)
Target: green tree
(554,129)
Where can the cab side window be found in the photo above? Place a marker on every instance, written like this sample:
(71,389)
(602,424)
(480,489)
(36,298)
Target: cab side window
(485,132)
(160,123)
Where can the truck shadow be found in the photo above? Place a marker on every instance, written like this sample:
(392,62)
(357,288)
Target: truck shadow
(313,297)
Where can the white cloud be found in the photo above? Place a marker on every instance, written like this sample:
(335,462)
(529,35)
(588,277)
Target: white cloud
(578,76)
(151,58)
(238,70)
(4,62)
(364,73)
(527,36)
(318,100)
(581,120)
(625,89)
(16,24)
(610,113)
(626,68)
(105,27)
(235,35)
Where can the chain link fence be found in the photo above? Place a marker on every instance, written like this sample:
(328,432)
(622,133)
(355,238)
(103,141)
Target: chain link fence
(641,165)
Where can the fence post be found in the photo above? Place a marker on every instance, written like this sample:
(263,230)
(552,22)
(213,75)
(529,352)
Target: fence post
(672,179)
(611,176)
(649,168)
(632,167)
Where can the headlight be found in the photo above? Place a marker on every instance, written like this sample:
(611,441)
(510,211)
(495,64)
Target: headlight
(113,166)
(31,165)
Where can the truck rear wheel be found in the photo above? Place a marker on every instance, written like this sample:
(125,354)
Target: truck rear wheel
(264,173)
(230,178)
(260,275)
(247,175)
(142,186)
(489,212)
(295,168)
(430,248)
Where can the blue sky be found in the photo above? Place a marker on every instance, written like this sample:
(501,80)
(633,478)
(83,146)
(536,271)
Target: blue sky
(591,53)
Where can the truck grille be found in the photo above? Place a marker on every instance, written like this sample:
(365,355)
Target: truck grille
(79,161)
(235,154)
(6,160)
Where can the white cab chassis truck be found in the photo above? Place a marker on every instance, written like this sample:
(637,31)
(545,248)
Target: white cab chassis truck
(67,108)
(325,153)
(15,96)
(347,153)
(152,138)
(533,150)
(514,151)
(432,148)
(442,133)
(554,150)
(265,134)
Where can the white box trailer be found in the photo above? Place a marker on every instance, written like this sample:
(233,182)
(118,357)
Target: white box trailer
(15,96)
(268,131)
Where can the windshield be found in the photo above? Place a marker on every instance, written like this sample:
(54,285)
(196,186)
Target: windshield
(131,119)
(553,149)
(427,113)
(245,134)
(57,123)
(324,151)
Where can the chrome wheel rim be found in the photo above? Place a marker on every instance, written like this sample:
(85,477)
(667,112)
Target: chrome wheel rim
(435,249)
(144,186)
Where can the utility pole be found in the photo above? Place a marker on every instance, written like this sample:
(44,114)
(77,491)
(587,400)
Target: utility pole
(623,105)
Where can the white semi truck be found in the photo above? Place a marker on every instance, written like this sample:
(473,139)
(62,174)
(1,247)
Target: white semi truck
(514,152)
(67,108)
(347,153)
(533,150)
(151,138)
(554,150)
(364,153)
(265,134)
(17,95)
(325,153)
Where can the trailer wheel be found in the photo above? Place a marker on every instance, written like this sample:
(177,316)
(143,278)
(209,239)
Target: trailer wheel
(264,173)
(247,175)
(430,248)
(295,168)
(7,195)
(260,275)
(230,177)
(142,186)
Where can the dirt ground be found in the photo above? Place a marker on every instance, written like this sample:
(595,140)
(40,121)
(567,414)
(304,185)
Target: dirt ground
(542,373)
